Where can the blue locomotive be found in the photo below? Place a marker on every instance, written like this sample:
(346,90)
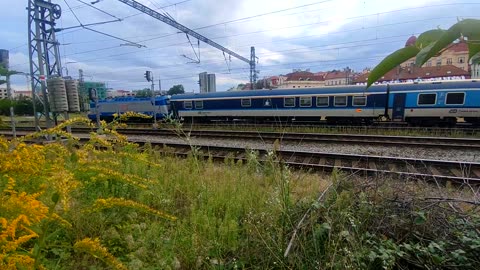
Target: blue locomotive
(418,103)
(107,108)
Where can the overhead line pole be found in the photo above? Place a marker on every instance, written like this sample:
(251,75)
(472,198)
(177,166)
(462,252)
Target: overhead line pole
(188,31)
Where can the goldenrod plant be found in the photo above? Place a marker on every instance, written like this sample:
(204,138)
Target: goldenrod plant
(106,203)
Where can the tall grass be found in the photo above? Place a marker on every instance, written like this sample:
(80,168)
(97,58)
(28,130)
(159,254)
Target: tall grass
(109,203)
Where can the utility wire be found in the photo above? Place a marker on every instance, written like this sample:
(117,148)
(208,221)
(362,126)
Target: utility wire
(103,11)
(302,25)
(99,32)
(75,15)
(263,31)
(216,38)
(171,5)
(277,52)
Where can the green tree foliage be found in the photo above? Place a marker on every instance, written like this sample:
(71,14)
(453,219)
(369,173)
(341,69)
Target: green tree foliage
(144,93)
(429,44)
(176,89)
(4,72)
(21,105)
(262,84)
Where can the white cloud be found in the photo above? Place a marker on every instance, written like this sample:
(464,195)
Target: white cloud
(284,40)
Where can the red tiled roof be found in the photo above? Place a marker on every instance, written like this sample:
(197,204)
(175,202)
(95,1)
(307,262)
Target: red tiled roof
(321,73)
(461,46)
(335,75)
(303,76)
(416,73)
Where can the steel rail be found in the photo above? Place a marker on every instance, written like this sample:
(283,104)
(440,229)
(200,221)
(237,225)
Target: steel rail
(296,137)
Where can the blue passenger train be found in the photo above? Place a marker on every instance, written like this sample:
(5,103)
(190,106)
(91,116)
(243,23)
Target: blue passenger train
(418,103)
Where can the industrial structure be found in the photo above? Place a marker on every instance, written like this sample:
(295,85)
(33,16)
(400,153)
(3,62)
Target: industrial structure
(45,64)
(44,53)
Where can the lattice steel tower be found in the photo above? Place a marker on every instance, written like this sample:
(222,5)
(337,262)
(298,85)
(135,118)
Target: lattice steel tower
(44,53)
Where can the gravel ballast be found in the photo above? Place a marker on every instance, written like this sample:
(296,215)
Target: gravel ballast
(377,150)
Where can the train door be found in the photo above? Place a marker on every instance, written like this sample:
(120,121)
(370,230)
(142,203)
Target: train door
(398,106)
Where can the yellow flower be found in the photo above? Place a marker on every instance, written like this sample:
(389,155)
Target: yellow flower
(112,202)
(94,248)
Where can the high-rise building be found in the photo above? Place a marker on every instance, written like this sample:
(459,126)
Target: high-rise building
(207,82)
(203,81)
(3,63)
(4,58)
(211,83)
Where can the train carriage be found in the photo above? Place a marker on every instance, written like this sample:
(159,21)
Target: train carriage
(438,102)
(420,103)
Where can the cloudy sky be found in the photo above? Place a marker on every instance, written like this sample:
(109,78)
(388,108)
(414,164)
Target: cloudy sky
(300,34)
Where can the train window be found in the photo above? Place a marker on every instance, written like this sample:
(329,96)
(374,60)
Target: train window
(198,104)
(187,104)
(360,101)
(340,101)
(427,99)
(289,102)
(305,101)
(322,101)
(455,99)
(246,102)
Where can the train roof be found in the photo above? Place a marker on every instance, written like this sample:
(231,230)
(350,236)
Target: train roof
(132,99)
(332,90)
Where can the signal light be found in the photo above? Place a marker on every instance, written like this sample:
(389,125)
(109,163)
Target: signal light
(148,76)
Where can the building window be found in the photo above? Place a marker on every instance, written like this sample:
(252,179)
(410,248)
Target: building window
(360,101)
(461,60)
(429,63)
(289,102)
(305,101)
(198,104)
(427,99)
(187,104)
(340,101)
(246,102)
(455,99)
(322,101)
(449,61)
(439,62)
(294,86)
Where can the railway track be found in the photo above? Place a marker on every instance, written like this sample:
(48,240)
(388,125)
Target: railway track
(458,129)
(295,137)
(405,168)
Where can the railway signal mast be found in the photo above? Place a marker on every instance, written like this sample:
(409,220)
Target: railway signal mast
(252,61)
